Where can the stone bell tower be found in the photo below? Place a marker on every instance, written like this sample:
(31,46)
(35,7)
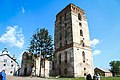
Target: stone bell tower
(72,43)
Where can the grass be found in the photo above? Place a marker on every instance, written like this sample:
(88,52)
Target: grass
(110,78)
(71,79)
(102,78)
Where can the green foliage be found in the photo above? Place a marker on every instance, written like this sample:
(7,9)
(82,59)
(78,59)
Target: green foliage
(115,67)
(71,79)
(41,43)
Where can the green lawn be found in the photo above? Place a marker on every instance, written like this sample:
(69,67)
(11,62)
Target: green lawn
(102,78)
(110,78)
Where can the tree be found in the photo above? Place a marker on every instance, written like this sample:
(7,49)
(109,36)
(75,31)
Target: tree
(41,43)
(115,68)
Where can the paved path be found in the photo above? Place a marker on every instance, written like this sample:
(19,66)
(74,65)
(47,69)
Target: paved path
(27,78)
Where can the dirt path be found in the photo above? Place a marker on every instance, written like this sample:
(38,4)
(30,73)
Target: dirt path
(26,78)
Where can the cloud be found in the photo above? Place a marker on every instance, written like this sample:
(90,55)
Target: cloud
(22,9)
(13,37)
(94,42)
(96,52)
(0,52)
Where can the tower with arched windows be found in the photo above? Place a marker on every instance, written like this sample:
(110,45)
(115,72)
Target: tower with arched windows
(72,43)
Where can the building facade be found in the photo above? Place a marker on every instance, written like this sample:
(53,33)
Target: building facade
(103,72)
(72,43)
(8,63)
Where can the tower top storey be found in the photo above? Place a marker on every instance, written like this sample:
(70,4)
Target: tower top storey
(70,8)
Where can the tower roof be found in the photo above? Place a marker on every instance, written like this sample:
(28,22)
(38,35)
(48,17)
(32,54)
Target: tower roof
(5,51)
(71,7)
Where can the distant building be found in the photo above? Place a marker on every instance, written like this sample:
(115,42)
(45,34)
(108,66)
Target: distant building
(8,63)
(72,43)
(103,72)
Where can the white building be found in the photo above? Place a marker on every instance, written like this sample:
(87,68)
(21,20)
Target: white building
(8,63)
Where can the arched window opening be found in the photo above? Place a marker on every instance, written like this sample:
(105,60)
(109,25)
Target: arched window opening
(84,68)
(83,55)
(60,36)
(65,16)
(65,33)
(59,58)
(60,44)
(79,17)
(84,74)
(81,33)
(60,28)
(60,20)
(65,72)
(59,71)
(65,56)
(65,25)
(83,44)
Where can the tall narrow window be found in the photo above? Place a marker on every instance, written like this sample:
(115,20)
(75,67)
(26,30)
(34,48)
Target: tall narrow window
(65,72)
(83,55)
(65,56)
(65,16)
(59,71)
(60,36)
(60,28)
(65,25)
(65,33)
(79,17)
(60,20)
(59,58)
(82,43)
(81,33)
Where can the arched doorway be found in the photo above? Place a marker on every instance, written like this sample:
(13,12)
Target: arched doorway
(25,71)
